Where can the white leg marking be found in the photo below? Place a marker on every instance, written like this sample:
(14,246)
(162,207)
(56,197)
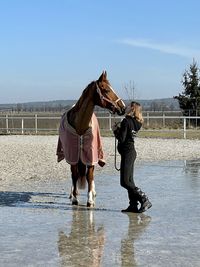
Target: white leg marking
(90,197)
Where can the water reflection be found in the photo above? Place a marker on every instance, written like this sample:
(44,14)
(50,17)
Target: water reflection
(104,236)
(137,225)
(84,244)
(192,167)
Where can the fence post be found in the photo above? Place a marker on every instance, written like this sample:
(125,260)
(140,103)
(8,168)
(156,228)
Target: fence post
(184,127)
(164,120)
(196,119)
(189,118)
(148,119)
(22,126)
(7,124)
(36,124)
(110,121)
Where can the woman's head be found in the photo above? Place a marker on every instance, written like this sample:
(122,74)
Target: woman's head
(135,110)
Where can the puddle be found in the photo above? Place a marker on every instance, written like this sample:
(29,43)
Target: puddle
(43,229)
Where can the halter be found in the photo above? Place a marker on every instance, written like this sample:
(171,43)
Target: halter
(103,98)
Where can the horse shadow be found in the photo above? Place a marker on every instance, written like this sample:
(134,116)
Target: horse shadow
(43,200)
(84,244)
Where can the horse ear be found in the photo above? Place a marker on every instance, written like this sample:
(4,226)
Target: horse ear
(103,76)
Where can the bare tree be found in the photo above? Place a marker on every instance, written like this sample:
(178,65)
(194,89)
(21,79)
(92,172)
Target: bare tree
(130,90)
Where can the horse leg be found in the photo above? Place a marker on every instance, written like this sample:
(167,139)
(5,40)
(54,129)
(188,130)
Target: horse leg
(74,189)
(91,186)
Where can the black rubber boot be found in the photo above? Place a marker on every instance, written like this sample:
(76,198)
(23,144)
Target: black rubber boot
(143,199)
(133,206)
(145,205)
(130,208)
(133,203)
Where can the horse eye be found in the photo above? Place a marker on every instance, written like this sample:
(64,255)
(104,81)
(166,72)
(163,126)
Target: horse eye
(106,91)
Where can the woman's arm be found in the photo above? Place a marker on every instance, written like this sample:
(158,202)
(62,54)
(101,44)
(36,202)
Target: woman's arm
(123,131)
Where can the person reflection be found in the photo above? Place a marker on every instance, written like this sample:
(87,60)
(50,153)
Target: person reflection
(137,225)
(83,246)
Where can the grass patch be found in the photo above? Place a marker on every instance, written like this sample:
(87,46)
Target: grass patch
(165,134)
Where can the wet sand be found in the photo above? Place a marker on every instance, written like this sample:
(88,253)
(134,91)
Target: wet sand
(40,227)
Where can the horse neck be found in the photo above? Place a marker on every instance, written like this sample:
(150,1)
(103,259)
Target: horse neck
(81,116)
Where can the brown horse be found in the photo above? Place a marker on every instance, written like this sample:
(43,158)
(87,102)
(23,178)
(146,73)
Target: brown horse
(100,93)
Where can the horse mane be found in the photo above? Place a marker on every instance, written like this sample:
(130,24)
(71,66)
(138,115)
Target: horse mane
(84,95)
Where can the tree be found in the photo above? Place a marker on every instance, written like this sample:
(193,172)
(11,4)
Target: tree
(130,90)
(189,100)
(19,107)
(154,106)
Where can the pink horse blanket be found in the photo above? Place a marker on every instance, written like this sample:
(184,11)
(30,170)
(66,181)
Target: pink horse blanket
(86,147)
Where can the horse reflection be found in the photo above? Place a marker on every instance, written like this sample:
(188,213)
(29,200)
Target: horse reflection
(137,226)
(83,246)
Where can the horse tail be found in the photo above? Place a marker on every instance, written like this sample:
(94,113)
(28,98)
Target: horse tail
(82,175)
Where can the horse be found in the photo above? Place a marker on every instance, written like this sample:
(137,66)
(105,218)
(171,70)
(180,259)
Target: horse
(79,117)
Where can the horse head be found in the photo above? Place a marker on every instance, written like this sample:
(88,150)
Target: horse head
(106,96)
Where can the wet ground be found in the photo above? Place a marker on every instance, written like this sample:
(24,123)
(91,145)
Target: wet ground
(41,228)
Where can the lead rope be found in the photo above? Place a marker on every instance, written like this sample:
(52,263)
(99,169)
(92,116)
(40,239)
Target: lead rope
(118,169)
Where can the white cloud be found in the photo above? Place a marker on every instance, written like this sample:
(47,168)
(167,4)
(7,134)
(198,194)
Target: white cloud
(164,48)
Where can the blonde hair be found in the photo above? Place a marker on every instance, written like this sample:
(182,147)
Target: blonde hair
(135,110)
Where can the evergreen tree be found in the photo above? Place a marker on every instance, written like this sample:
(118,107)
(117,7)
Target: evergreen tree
(189,100)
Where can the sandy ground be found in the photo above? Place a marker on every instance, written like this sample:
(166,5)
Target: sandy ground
(28,160)
(39,226)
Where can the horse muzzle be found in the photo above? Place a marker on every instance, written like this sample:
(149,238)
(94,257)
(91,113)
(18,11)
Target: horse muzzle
(120,111)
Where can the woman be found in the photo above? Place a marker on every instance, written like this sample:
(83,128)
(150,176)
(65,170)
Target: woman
(130,125)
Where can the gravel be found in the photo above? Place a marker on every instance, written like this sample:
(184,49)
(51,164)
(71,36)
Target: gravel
(28,161)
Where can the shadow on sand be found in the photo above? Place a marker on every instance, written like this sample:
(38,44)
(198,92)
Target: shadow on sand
(14,199)
(40,200)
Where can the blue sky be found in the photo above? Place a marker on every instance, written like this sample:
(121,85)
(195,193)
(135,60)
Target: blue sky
(51,49)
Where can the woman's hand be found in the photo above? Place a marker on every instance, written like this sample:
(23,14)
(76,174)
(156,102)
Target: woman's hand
(116,129)
(115,126)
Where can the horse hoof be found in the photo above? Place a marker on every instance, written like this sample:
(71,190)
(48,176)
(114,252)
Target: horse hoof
(75,202)
(90,205)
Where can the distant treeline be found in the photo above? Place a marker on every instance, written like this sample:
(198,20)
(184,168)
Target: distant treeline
(166,104)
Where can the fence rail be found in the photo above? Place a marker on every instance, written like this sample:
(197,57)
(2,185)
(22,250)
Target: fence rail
(35,124)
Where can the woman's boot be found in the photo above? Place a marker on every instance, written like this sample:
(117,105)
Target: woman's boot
(143,199)
(133,203)
(132,208)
